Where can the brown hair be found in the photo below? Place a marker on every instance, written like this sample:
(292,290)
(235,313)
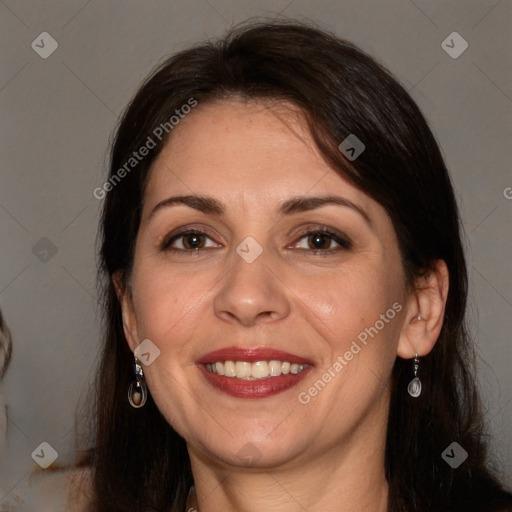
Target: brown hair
(5,346)
(140,463)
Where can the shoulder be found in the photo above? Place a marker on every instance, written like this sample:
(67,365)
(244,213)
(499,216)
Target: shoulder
(72,486)
(80,490)
(67,490)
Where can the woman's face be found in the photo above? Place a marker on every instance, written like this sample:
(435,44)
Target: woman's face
(282,261)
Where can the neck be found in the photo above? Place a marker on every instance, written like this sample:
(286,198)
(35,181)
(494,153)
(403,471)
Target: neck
(349,476)
(274,492)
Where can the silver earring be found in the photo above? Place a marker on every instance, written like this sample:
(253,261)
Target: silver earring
(138,390)
(414,387)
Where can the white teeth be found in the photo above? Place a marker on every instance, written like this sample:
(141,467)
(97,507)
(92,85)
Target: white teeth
(254,371)
(242,369)
(259,369)
(229,369)
(274,368)
(219,367)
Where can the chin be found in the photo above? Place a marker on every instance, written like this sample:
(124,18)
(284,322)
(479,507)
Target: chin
(253,451)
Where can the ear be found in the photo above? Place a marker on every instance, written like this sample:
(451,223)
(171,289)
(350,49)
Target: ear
(124,295)
(424,313)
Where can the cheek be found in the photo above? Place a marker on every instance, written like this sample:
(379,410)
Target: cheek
(166,302)
(357,314)
(348,301)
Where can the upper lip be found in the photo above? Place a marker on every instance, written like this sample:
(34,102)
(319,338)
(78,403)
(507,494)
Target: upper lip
(251,355)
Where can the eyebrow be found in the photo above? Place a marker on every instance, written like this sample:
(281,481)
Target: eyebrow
(305,204)
(201,203)
(210,205)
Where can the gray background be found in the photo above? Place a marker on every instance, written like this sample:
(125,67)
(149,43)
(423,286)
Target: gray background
(56,118)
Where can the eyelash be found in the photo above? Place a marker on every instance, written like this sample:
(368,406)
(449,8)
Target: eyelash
(344,242)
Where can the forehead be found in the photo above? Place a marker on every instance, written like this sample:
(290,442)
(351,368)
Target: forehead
(245,151)
(255,133)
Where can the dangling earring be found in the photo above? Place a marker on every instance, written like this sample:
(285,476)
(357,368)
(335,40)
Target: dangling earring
(414,387)
(137,391)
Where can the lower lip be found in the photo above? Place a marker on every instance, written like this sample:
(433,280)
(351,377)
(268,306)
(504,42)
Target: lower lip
(253,388)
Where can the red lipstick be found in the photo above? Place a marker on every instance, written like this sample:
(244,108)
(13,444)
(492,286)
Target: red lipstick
(251,355)
(259,388)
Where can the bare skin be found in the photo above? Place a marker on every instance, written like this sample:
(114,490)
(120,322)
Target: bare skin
(323,455)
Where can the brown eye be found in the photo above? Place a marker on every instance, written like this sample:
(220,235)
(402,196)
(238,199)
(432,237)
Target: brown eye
(193,241)
(188,241)
(324,241)
(319,241)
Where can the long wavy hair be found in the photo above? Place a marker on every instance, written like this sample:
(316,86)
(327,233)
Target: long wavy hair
(139,463)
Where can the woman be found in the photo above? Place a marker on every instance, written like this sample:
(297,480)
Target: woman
(285,290)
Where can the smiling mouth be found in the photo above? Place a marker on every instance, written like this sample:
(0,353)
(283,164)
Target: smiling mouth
(255,372)
(258,370)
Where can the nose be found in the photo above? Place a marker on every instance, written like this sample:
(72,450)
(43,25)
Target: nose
(252,293)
